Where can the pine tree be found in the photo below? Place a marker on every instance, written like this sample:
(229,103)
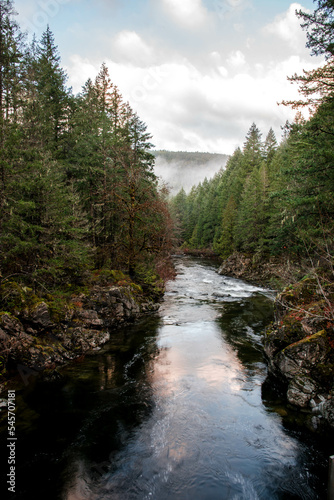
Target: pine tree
(320,28)
(11,40)
(226,243)
(270,146)
(253,150)
(46,93)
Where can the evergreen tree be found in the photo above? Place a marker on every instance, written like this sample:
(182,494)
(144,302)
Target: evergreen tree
(226,243)
(270,146)
(320,28)
(11,41)
(50,97)
(253,150)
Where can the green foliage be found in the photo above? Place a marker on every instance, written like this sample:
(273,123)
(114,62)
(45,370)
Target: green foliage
(77,188)
(269,200)
(276,199)
(149,281)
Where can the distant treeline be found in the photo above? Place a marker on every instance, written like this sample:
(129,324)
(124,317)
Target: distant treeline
(270,198)
(182,169)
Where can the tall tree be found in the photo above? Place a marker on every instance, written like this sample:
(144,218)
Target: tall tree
(50,95)
(320,28)
(253,149)
(318,84)
(11,40)
(270,146)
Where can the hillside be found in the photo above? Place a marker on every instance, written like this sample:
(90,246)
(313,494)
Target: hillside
(180,169)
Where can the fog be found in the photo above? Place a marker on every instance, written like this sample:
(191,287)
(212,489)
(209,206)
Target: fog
(184,170)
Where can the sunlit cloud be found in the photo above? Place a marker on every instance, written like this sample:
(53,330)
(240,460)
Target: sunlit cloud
(188,13)
(286,26)
(197,79)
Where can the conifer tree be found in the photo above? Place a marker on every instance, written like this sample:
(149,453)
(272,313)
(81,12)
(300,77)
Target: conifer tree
(226,243)
(270,146)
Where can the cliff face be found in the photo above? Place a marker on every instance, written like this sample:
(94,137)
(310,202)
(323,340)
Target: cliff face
(39,337)
(299,344)
(299,347)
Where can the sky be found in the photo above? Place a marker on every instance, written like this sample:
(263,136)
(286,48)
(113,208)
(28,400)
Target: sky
(197,72)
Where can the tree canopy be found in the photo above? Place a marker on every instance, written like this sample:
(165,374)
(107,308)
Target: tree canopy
(77,186)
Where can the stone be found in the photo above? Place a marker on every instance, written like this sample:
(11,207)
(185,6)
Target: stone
(11,325)
(41,316)
(90,318)
(301,390)
(84,328)
(303,355)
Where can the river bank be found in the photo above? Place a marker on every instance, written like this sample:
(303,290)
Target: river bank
(40,333)
(299,344)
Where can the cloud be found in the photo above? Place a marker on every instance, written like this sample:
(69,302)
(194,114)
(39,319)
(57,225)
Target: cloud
(203,99)
(80,69)
(286,26)
(128,46)
(236,59)
(227,8)
(187,13)
(189,108)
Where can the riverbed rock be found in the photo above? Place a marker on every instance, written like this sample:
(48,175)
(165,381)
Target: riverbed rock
(38,341)
(40,316)
(301,390)
(10,325)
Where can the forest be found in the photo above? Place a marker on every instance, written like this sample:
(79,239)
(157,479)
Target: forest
(77,187)
(78,191)
(275,200)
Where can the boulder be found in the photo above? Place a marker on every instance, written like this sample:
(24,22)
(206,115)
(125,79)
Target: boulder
(10,325)
(302,356)
(40,316)
(301,390)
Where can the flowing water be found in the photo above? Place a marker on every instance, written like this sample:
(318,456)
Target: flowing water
(173,408)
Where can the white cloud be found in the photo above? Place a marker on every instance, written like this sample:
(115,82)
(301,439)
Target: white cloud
(286,26)
(188,13)
(204,101)
(186,108)
(236,59)
(80,70)
(130,47)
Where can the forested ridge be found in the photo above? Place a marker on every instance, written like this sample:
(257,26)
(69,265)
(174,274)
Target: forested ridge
(77,187)
(275,199)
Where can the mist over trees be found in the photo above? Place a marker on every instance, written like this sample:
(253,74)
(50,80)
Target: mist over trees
(77,187)
(271,199)
(181,169)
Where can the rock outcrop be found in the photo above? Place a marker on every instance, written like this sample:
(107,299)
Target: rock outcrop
(299,347)
(255,268)
(39,338)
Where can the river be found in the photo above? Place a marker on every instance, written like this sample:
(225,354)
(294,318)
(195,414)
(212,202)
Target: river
(174,407)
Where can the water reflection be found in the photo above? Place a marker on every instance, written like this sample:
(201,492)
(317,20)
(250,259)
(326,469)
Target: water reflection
(106,369)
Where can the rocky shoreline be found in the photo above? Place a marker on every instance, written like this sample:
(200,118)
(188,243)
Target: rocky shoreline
(37,340)
(299,344)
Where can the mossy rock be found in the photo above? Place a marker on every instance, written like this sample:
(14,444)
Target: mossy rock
(108,276)
(16,298)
